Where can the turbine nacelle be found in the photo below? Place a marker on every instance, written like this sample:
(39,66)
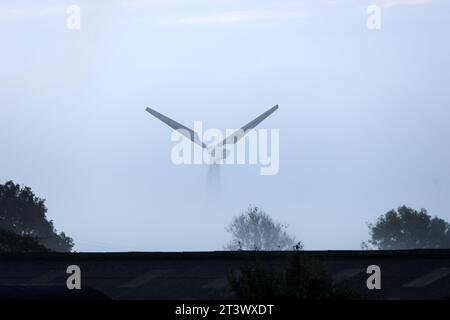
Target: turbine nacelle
(217,153)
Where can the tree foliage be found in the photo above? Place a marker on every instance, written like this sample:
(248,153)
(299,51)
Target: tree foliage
(406,228)
(255,230)
(22,213)
(11,242)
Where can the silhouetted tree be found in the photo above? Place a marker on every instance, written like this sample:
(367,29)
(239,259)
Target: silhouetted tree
(255,230)
(298,279)
(407,228)
(12,242)
(22,213)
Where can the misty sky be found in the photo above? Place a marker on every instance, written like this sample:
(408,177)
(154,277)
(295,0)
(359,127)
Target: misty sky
(364,115)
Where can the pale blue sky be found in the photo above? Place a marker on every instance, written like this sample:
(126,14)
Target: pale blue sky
(364,115)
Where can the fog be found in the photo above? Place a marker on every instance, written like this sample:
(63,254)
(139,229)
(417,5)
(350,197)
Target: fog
(364,117)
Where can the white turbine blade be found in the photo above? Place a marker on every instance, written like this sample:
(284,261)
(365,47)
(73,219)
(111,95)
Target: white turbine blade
(188,133)
(237,135)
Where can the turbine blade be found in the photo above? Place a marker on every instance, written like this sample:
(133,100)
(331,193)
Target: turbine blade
(188,133)
(237,135)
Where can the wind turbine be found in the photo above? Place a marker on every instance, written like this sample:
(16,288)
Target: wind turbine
(217,152)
